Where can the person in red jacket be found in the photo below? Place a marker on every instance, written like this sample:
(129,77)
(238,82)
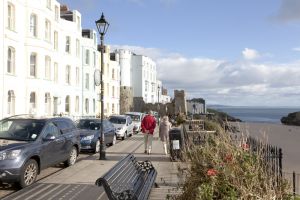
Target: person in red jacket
(148,126)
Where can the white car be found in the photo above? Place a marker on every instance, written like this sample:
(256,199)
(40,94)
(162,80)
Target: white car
(123,125)
(137,118)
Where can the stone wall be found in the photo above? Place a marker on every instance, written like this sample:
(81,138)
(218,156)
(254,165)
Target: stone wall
(126,99)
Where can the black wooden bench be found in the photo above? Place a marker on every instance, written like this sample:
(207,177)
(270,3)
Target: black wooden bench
(128,179)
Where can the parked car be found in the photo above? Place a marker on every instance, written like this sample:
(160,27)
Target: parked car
(123,124)
(30,144)
(90,132)
(137,118)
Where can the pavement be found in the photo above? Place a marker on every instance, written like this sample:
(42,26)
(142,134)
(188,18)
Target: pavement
(78,181)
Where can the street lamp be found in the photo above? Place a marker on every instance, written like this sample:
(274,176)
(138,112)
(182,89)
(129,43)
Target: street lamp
(102,26)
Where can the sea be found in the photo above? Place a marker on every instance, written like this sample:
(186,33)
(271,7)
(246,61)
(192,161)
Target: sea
(257,114)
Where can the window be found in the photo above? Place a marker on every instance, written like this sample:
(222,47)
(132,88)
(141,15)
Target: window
(55,40)
(47,67)
(47,104)
(67,104)
(68,74)
(87,56)
(107,87)
(47,30)
(11,102)
(113,74)
(33,25)
(113,108)
(11,16)
(86,106)
(49,4)
(77,48)
(146,86)
(113,91)
(56,13)
(33,65)
(11,57)
(55,72)
(68,44)
(77,104)
(95,39)
(94,56)
(87,81)
(77,76)
(32,102)
(78,23)
(52,130)
(94,105)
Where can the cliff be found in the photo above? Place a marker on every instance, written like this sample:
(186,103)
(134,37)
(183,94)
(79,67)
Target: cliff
(292,119)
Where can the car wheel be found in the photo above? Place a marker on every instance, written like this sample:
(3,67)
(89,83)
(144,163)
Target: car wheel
(29,173)
(72,157)
(97,147)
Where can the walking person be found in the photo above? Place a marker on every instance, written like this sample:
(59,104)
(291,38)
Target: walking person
(148,125)
(164,129)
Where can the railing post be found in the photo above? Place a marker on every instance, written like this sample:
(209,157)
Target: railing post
(280,162)
(294,184)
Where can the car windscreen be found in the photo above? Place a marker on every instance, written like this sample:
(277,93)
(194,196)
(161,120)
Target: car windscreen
(134,117)
(20,129)
(89,124)
(117,120)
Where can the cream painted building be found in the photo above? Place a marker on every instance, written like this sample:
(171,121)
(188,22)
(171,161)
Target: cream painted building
(42,69)
(111,79)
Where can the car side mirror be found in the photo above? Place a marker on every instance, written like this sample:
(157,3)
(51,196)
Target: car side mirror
(49,137)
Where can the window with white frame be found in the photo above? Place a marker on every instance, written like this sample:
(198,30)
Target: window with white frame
(146,86)
(77,104)
(49,4)
(33,67)
(68,74)
(11,16)
(113,91)
(67,104)
(11,58)
(11,102)
(47,67)
(87,57)
(113,74)
(95,41)
(77,76)
(47,30)
(55,72)
(78,23)
(55,40)
(87,83)
(33,25)
(94,105)
(112,108)
(94,58)
(56,13)
(68,44)
(32,102)
(47,103)
(77,48)
(107,89)
(87,106)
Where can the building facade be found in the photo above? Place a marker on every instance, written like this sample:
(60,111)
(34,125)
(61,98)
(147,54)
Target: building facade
(41,70)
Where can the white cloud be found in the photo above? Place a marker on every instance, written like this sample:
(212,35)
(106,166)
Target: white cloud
(224,82)
(250,54)
(296,49)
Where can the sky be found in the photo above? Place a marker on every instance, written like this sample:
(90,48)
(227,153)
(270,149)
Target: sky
(229,52)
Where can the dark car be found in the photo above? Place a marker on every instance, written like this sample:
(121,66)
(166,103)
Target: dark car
(90,132)
(29,145)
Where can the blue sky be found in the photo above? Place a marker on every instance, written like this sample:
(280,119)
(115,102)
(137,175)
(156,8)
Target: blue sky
(226,51)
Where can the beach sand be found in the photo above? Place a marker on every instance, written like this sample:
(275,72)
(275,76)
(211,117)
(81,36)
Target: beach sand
(283,136)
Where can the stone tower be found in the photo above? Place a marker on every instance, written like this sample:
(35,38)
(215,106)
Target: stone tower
(180,102)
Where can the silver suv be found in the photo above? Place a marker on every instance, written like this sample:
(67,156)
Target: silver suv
(123,124)
(29,145)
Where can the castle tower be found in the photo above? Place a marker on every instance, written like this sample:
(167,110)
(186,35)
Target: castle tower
(180,102)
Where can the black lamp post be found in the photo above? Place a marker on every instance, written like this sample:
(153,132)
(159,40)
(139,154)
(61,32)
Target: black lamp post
(158,90)
(102,26)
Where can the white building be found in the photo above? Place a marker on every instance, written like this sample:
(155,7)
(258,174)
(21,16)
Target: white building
(196,107)
(138,72)
(41,70)
(111,79)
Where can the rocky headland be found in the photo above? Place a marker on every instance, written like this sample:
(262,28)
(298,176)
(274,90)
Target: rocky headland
(291,119)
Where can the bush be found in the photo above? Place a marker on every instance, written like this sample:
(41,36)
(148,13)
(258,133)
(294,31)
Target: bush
(219,169)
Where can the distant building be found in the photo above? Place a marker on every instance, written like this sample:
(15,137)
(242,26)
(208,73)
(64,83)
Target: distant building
(196,106)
